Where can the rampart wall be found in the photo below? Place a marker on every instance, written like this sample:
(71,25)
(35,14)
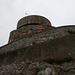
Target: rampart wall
(61,43)
(55,48)
(37,38)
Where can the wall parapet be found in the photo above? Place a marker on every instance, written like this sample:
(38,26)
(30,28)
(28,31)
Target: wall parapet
(37,38)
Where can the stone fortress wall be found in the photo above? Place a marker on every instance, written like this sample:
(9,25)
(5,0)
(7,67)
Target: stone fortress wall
(25,36)
(28,26)
(37,38)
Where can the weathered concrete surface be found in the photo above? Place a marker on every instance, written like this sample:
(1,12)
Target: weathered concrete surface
(33,19)
(56,48)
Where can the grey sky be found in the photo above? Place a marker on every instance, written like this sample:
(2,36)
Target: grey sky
(59,12)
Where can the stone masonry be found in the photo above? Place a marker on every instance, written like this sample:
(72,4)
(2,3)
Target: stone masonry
(28,26)
(36,29)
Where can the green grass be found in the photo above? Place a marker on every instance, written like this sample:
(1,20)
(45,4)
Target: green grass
(33,43)
(71,32)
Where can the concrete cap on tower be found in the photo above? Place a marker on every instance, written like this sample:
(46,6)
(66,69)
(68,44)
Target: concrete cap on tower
(33,20)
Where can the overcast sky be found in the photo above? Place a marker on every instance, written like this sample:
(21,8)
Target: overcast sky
(59,12)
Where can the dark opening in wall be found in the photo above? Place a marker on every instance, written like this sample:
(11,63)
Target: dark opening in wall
(30,24)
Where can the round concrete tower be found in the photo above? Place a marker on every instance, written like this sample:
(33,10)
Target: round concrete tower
(33,20)
(28,26)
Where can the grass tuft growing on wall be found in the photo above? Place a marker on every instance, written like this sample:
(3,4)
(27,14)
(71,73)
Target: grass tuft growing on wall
(71,32)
